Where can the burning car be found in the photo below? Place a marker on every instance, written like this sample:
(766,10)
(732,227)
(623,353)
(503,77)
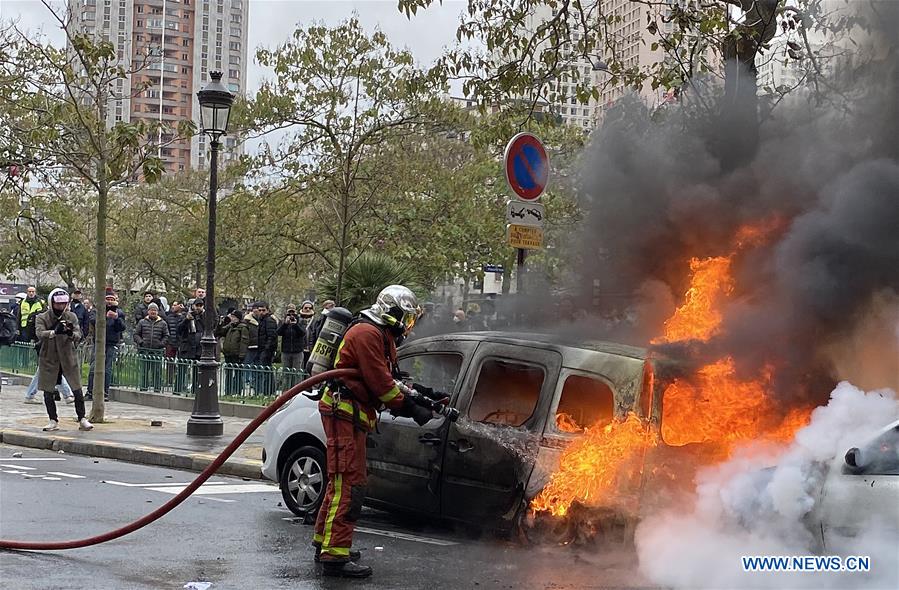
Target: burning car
(523,399)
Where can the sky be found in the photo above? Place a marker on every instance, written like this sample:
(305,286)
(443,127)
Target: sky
(273,21)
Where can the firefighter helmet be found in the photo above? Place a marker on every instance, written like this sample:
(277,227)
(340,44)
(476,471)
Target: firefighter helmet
(396,307)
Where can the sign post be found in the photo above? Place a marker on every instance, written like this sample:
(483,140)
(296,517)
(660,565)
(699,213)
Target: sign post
(526,166)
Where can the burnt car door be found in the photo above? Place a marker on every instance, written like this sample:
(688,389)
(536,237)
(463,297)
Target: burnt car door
(404,459)
(490,452)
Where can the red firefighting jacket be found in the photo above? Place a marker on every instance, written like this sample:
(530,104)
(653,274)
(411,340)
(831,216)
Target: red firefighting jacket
(370,350)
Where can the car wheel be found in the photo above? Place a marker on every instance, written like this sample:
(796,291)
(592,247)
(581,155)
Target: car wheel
(303,481)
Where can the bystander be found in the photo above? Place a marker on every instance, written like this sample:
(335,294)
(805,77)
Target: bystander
(58,331)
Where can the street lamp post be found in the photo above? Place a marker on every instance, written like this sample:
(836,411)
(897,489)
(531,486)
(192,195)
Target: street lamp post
(215,109)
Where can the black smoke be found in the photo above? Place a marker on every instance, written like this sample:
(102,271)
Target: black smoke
(826,175)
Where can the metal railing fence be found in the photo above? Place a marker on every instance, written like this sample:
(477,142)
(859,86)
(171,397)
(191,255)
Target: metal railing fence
(151,370)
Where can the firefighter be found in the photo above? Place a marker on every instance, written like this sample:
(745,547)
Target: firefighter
(349,411)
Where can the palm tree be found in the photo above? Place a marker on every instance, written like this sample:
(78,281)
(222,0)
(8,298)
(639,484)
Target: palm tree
(364,278)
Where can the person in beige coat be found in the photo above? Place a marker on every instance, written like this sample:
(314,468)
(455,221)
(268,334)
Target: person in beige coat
(58,331)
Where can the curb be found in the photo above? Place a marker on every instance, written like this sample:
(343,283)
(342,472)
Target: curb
(248,468)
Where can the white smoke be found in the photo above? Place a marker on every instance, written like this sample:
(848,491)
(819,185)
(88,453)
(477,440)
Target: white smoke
(762,502)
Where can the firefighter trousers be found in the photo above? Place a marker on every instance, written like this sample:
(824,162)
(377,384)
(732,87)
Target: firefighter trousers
(342,504)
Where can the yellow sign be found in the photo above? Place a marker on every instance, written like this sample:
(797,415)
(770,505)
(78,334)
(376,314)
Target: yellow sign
(525,236)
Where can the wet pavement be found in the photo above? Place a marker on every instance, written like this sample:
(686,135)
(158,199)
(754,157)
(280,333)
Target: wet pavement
(129,432)
(234,534)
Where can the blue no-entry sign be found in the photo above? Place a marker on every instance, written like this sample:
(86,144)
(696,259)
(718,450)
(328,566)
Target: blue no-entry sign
(527,166)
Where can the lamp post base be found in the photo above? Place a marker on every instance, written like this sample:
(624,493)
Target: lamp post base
(199,426)
(205,420)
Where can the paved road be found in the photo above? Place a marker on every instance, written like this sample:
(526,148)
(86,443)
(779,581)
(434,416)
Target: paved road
(233,534)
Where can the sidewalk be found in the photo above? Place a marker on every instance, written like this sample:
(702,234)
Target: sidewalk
(127,435)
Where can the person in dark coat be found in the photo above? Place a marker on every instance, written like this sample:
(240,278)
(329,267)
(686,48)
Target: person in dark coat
(140,312)
(293,340)
(268,346)
(115,327)
(151,335)
(59,332)
(235,337)
(77,307)
(190,333)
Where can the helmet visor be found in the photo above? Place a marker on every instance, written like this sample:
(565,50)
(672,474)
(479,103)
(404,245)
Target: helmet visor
(409,318)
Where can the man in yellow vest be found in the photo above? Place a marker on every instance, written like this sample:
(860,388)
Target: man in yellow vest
(30,306)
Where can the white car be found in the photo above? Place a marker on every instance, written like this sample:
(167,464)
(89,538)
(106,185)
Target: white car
(294,455)
(864,483)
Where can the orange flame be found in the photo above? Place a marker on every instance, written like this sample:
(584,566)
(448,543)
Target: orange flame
(714,406)
(594,465)
(565,423)
(698,318)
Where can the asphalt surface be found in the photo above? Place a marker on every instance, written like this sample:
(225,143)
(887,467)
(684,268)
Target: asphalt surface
(234,534)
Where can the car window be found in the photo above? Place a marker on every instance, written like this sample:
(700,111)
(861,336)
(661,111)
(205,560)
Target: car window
(880,456)
(437,371)
(506,393)
(585,401)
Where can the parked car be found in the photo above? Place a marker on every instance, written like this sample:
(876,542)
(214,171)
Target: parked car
(485,467)
(862,485)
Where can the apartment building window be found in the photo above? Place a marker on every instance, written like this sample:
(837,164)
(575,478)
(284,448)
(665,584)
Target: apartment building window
(235,31)
(234,87)
(235,18)
(218,26)
(171,25)
(185,70)
(234,45)
(185,42)
(234,59)
(173,12)
(154,23)
(235,74)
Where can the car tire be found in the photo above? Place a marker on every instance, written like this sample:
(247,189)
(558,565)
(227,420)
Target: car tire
(303,481)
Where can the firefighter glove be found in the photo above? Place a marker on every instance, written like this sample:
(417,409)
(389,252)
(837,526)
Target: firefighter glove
(421,415)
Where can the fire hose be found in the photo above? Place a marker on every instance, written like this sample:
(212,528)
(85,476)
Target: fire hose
(190,489)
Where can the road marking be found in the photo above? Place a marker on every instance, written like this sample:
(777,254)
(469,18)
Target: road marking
(41,475)
(222,489)
(405,536)
(61,474)
(392,534)
(13,471)
(52,478)
(168,483)
(18,467)
(33,459)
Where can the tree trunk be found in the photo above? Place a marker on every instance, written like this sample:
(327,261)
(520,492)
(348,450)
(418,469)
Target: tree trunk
(344,228)
(98,407)
(738,132)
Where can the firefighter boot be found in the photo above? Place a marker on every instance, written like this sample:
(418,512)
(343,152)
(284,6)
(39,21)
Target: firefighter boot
(354,555)
(345,569)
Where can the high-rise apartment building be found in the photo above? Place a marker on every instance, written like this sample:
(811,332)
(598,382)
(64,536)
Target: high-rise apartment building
(561,95)
(171,45)
(632,41)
